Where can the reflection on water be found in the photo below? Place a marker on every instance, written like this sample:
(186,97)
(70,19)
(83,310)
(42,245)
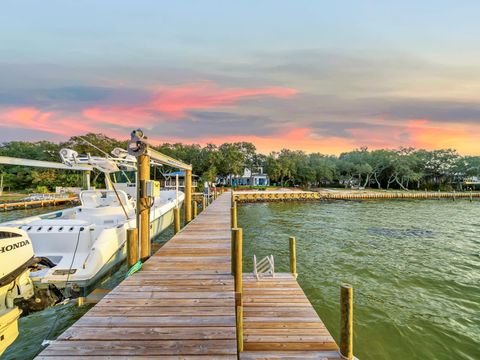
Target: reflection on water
(50,323)
(414,266)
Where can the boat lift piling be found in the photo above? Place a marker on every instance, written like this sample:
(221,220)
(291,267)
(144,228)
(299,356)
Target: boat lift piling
(143,206)
(176,220)
(187,203)
(132,247)
(139,147)
(195,209)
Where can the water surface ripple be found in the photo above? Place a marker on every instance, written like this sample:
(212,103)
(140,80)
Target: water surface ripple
(414,266)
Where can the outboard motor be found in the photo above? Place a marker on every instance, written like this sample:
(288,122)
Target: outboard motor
(16,261)
(16,257)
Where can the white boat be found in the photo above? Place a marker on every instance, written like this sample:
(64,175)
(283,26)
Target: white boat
(16,260)
(85,242)
(81,245)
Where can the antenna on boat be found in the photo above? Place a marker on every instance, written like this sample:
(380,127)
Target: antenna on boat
(94,146)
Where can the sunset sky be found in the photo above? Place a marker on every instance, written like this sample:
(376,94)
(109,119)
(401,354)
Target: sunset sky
(324,76)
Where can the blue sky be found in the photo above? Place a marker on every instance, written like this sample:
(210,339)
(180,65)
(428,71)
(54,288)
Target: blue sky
(321,76)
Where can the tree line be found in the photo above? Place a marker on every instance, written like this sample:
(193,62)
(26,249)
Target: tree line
(404,168)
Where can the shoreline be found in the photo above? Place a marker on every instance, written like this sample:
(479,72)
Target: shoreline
(334,194)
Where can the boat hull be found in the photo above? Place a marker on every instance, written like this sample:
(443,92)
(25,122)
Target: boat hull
(86,244)
(160,221)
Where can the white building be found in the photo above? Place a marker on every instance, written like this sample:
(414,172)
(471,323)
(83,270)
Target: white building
(250,177)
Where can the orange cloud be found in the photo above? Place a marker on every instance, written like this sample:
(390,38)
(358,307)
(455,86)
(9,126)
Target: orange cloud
(293,139)
(426,134)
(418,133)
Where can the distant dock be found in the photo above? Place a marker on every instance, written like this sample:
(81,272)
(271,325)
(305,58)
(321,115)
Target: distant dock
(272,196)
(191,301)
(36,203)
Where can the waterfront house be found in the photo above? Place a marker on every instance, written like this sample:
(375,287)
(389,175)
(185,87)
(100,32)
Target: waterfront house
(250,177)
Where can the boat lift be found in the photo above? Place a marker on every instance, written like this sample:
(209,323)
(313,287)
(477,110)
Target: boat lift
(7,160)
(140,148)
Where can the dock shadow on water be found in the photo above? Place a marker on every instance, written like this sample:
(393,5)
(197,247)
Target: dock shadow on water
(48,324)
(414,266)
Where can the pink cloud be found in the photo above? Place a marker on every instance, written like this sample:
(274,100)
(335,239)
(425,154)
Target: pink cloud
(166,103)
(56,123)
(174,102)
(27,117)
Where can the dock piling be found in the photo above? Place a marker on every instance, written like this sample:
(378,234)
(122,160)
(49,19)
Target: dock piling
(188,196)
(132,247)
(293,256)
(176,220)
(237,237)
(346,321)
(204,203)
(195,209)
(233,215)
(143,208)
(238,259)
(239,321)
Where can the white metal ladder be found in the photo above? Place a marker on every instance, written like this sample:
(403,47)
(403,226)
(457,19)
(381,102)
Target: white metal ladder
(264,266)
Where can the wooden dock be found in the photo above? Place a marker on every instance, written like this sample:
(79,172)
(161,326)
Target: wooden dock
(181,305)
(279,322)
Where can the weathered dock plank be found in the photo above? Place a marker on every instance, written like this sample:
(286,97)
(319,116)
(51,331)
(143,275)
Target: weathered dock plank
(280,323)
(180,305)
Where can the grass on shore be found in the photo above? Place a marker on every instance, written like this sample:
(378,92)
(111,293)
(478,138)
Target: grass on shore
(11,197)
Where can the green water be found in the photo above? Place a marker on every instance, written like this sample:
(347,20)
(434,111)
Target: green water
(414,266)
(50,323)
